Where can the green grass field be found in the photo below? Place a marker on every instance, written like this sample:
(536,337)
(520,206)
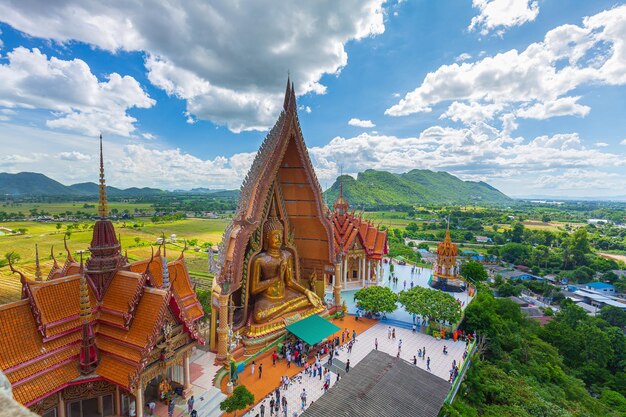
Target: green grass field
(137,241)
(73,206)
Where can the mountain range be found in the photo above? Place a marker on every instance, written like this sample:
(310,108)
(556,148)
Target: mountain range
(370,188)
(419,186)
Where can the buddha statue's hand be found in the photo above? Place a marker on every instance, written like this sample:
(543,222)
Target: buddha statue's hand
(313,298)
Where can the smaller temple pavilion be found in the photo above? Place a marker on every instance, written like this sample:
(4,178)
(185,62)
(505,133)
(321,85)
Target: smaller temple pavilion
(446,270)
(100,337)
(360,245)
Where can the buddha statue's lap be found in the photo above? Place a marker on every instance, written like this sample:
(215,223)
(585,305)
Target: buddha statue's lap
(276,292)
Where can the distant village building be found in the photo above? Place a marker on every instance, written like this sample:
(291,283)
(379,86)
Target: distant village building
(483,239)
(597,221)
(601,287)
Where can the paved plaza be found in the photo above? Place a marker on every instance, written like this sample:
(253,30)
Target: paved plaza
(440,364)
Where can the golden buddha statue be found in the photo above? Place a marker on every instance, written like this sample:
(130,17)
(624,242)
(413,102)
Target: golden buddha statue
(272,281)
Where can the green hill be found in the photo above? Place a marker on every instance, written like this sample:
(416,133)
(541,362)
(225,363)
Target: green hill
(419,186)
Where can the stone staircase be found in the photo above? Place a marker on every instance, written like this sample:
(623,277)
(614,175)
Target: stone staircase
(209,404)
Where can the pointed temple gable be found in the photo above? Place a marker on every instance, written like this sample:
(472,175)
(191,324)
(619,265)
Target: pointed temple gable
(282,166)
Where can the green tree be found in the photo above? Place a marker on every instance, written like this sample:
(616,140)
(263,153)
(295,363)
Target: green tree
(436,305)
(615,316)
(137,240)
(240,399)
(59,225)
(517,232)
(376,299)
(473,271)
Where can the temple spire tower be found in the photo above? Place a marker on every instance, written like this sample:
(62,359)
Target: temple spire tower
(166,272)
(88,360)
(106,257)
(37,266)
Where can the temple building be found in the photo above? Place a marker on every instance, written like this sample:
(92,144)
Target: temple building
(278,245)
(97,337)
(360,245)
(446,269)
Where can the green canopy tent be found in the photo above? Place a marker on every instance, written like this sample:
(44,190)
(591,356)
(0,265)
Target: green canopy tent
(312,329)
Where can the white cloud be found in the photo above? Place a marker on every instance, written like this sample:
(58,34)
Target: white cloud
(361,123)
(228,62)
(78,100)
(565,106)
(471,113)
(73,156)
(601,144)
(462,57)
(537,79)
(572,180)
(623,142)
(148,136)
(307,109)
(502,14)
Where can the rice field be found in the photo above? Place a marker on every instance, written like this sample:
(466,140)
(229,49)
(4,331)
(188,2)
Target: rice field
(137,241)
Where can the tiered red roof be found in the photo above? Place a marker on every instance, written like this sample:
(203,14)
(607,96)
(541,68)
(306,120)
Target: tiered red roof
(348,227)
(123,309)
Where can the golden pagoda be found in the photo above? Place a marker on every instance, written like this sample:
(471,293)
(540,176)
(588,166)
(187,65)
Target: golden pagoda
(446,270)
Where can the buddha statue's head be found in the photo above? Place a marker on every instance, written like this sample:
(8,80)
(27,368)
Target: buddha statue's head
(273,233)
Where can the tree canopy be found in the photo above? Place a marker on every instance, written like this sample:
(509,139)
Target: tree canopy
(434,304)
(473,271)
(239,400)
(376,299)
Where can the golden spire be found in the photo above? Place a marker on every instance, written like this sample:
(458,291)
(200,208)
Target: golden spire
(85,305)
(447,238)
(37,267)
(102,198)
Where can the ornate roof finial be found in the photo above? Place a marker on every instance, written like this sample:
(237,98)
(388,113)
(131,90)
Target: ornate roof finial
(150,261)
(102,197)
(165,272)
(447,238)
(182,253)
(37,267)
(69,254)
(55,265)
(85,305)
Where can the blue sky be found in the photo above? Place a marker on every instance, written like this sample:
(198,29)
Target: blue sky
(525,95)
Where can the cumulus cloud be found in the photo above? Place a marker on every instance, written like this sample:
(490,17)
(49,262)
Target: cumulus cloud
(536,80)
(78,100)
(361,123)
(502,14)
(73,156)
(228,62)
(601,144)
(565,106)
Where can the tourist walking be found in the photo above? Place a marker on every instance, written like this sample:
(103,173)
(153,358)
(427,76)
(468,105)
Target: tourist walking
(348,366)
(393,333)
(303,398)
(376,343)
(389,333)
(414,360)
(274,357)
(252,368)
(260,370)
(354,335)
(170,409)
(190,402)
(428,364)
(424,352)
(272,403)
(277,392)
(284,402)
(262,409)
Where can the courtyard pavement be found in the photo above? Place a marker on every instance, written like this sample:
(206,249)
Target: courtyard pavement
(440,364)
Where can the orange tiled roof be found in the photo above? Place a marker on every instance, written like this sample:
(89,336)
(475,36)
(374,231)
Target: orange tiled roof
(46,382)
(146,319)
(47,362)
(115,370)
(123,351)
(349,227)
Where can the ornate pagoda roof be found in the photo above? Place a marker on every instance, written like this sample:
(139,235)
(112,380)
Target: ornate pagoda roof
(282,160)
(350,228)
(42,334)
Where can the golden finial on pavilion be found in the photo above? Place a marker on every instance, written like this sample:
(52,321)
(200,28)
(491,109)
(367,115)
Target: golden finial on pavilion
(102,198)
(85,305)
(37,267)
